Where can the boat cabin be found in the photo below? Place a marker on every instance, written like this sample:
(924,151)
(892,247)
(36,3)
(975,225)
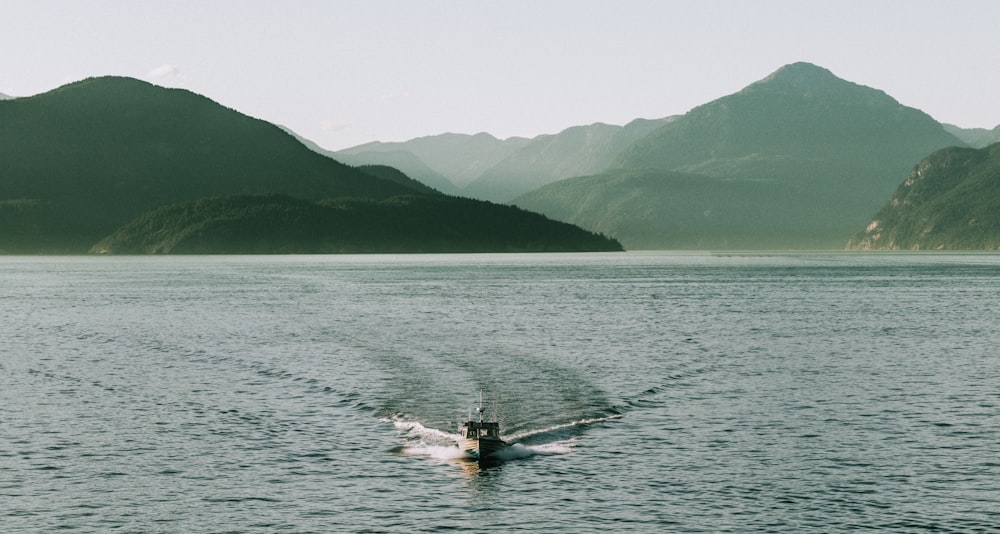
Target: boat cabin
(480,429)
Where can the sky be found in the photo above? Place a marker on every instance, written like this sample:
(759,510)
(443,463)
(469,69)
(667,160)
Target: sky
(343,73)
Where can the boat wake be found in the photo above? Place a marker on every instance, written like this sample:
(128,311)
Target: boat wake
(413,429)
(420,440)
(516,451)
(560,431)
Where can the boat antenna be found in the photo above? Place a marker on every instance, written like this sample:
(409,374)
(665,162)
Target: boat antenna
(480,406)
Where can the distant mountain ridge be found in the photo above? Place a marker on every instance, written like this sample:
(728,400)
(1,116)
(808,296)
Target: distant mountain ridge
(975,137)
(797,159)
(800,159)
(807,158)
(484,167)
(575,151)
(460,157)
(406,162)
(800,111)
(950,201)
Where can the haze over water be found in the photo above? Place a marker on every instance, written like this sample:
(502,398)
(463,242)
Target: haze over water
(645,392)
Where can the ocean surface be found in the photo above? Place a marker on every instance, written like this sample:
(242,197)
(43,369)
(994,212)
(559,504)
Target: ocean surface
(643,392)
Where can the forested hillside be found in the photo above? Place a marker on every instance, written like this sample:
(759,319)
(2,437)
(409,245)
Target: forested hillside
(950,201)
(79,162)
(277,224)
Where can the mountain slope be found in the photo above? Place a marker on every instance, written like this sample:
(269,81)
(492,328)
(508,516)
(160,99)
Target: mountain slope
(821,154)
(394,175)
(79,163)
(575,151)
(950,201)
(271,224)
(646,209)
(975,137)
(460,157)
(801,110)
(81,160)
(406,162)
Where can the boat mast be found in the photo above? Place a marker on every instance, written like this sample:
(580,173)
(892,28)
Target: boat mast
(480,406)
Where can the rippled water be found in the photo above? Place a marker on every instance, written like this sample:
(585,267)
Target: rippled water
(644,392)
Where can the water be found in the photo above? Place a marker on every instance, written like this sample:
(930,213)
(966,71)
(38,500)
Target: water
(644,392)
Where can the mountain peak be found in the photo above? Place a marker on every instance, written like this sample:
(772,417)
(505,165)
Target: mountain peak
(808,82)
(799,77)
(97,153)
(800,70)
(102,84)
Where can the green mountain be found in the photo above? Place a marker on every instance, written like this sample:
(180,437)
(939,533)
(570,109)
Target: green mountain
(575,151)
(396,176)
(406,162)
(79,163)
(461,158)
(268,224)
(975,137)
(797,160)
(950,201)
(484,167)
(5,97)
(397,159)
(646,209)
(81,160)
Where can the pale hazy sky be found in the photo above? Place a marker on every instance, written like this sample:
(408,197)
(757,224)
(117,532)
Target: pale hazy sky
(346,72)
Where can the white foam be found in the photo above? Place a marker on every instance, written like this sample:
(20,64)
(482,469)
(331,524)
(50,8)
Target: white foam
(414,428)
(518,451)
(443,452)
(426,441)
(582,422)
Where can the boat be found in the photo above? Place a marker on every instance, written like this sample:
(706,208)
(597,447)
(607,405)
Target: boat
(481,439)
